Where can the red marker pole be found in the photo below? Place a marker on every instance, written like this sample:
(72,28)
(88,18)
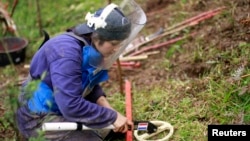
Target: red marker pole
(128,101)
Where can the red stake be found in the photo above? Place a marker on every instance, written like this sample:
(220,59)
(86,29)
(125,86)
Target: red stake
(128,102)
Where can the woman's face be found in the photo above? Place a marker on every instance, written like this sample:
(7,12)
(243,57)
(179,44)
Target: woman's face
(108,47)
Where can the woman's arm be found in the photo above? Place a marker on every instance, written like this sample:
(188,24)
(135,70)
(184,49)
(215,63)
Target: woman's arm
(102,101)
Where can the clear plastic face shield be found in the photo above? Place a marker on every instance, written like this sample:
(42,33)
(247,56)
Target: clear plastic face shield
(119,26)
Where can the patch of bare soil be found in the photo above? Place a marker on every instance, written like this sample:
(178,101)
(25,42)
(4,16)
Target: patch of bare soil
(221,33)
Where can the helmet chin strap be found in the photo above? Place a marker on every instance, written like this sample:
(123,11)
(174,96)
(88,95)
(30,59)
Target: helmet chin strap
(99,22)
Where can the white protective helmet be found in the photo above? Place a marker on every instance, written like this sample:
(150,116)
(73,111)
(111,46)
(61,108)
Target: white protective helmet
(115,22)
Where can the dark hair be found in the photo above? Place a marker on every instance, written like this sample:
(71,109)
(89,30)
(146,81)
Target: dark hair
(95,37)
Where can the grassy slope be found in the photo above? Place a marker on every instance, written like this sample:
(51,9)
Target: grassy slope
(217,95)
(190,104)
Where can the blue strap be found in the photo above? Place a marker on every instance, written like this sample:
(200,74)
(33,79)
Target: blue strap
(43,100)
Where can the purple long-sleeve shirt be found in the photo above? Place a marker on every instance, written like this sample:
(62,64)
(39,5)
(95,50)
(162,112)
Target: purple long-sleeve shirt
(60,59)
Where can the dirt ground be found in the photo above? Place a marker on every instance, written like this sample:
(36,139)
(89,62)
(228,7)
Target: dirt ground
(226,37)
(159,14)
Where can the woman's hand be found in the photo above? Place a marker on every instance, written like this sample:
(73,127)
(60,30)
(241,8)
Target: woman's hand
(122,124)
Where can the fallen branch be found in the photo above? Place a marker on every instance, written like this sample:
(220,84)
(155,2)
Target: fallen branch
(243,76)
(131,64)
(160,45)
(178,27)
(151,53)
(199,17)
(139,57)
(134,58)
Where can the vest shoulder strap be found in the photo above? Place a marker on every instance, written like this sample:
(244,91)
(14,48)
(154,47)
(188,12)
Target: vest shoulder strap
(77,37)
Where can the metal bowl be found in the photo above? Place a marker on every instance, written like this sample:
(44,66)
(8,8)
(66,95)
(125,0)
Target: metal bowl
(12,50)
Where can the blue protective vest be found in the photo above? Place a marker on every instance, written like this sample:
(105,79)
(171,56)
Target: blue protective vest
(43,100)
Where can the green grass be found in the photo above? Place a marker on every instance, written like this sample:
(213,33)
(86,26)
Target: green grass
(56,17)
